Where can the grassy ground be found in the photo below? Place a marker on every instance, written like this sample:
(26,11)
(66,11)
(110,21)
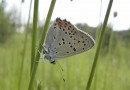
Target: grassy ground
(112,72)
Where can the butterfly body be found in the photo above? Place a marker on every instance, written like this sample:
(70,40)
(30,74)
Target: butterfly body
(64,39)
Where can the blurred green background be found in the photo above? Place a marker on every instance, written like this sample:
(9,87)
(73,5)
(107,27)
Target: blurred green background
(112,71)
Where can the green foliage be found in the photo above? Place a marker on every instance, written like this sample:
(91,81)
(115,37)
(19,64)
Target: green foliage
(76,69)
(124,36)
(7,26)
(112,69)
(106,39)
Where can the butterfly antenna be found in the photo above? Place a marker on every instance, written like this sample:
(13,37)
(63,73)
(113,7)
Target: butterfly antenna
(61,69)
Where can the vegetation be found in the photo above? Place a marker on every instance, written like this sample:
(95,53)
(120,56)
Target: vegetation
(7,25)
(112,71)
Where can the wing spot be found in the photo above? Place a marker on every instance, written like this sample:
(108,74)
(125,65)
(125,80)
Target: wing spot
(67,52)
(74,39)
(71,46)
(65,23)
(63,39)
(69,33)
(63,29)
(82,41)
(69,43)
(70,36)
(63,42)
(74,49)
(82,37)
(84,44)
(65,32)
(78,41)
(59,43)
(54,37)
(83,48)
(56,52)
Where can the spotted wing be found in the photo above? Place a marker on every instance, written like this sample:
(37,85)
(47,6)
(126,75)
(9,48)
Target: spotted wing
(70,40)
(51,35)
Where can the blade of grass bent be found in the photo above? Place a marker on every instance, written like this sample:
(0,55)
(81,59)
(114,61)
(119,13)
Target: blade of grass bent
(99,45)
(40,44)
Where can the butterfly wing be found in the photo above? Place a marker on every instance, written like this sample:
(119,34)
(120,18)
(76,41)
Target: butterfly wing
(51,35)
(70,40)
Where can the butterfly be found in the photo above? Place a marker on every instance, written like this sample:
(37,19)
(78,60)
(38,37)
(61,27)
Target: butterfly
(63,39)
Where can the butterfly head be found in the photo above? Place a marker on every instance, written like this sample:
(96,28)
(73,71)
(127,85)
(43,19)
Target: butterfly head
(48,56)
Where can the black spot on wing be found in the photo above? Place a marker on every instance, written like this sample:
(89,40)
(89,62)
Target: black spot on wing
(74,49)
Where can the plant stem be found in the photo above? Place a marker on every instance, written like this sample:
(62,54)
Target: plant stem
(40,44)
(34,33)
(99,46)
(24,49)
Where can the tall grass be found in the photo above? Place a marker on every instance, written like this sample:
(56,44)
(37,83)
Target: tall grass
(34,33)
(24,49)
(76,69)
(99,46)
(35,61)
(111,75)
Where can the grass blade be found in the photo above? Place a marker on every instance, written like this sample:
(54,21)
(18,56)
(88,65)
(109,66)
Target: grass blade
(24,49)
(99,45)
(34,68)
(34,32)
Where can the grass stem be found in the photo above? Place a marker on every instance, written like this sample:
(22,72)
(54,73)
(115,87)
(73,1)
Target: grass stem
(34,68)
(24,49)
(34,33)
(99,45)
